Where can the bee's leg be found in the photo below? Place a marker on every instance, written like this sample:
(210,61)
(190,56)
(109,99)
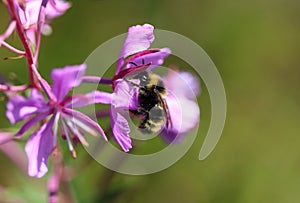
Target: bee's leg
(168,114)
(144,120)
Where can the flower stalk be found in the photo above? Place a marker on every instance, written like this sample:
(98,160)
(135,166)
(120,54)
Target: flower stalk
(13,88)
(13,49)
(24,41)
(41,19)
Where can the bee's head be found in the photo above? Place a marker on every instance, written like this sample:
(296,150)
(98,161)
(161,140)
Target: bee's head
(144,78)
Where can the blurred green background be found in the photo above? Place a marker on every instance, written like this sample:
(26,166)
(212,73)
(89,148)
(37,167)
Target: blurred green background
(254,44)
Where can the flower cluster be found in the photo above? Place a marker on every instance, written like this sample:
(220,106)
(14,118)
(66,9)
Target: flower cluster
(58,115)
(48,112)
(37,14)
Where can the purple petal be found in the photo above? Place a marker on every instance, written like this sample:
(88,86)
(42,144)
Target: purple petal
(171,136)
(184,115)
(29,15)
(139,38)
(32,122)
(18,107)
(56,8)
(125,95)
(38,149)
(37,97)
(31,35)
(64,79)
(14,108)
(21,13)
(94,97)
(182,83)
(120,129)
(155,59)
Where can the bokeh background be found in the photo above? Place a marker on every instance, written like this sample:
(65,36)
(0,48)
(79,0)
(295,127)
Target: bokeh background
(254,44)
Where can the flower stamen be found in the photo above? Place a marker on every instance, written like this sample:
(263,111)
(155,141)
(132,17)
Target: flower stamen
(85,127)
(70,145)
(55,129)
(76,132)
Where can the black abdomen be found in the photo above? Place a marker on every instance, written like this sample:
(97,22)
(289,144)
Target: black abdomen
(153,120)
(147,99)
(151,91)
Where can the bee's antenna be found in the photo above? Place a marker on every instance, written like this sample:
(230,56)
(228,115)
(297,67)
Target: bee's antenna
(132,63)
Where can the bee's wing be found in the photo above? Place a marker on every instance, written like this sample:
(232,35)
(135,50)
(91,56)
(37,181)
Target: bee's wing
(166,111)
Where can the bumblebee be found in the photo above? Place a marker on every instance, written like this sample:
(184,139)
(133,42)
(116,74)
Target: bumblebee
(153,108)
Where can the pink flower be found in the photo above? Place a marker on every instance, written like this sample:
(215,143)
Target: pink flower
(30,11)
(135,58)
(58,115)
(125,97)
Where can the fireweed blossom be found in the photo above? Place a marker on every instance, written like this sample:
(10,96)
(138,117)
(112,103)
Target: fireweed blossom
(34,12)
(57,115)
(136,57)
